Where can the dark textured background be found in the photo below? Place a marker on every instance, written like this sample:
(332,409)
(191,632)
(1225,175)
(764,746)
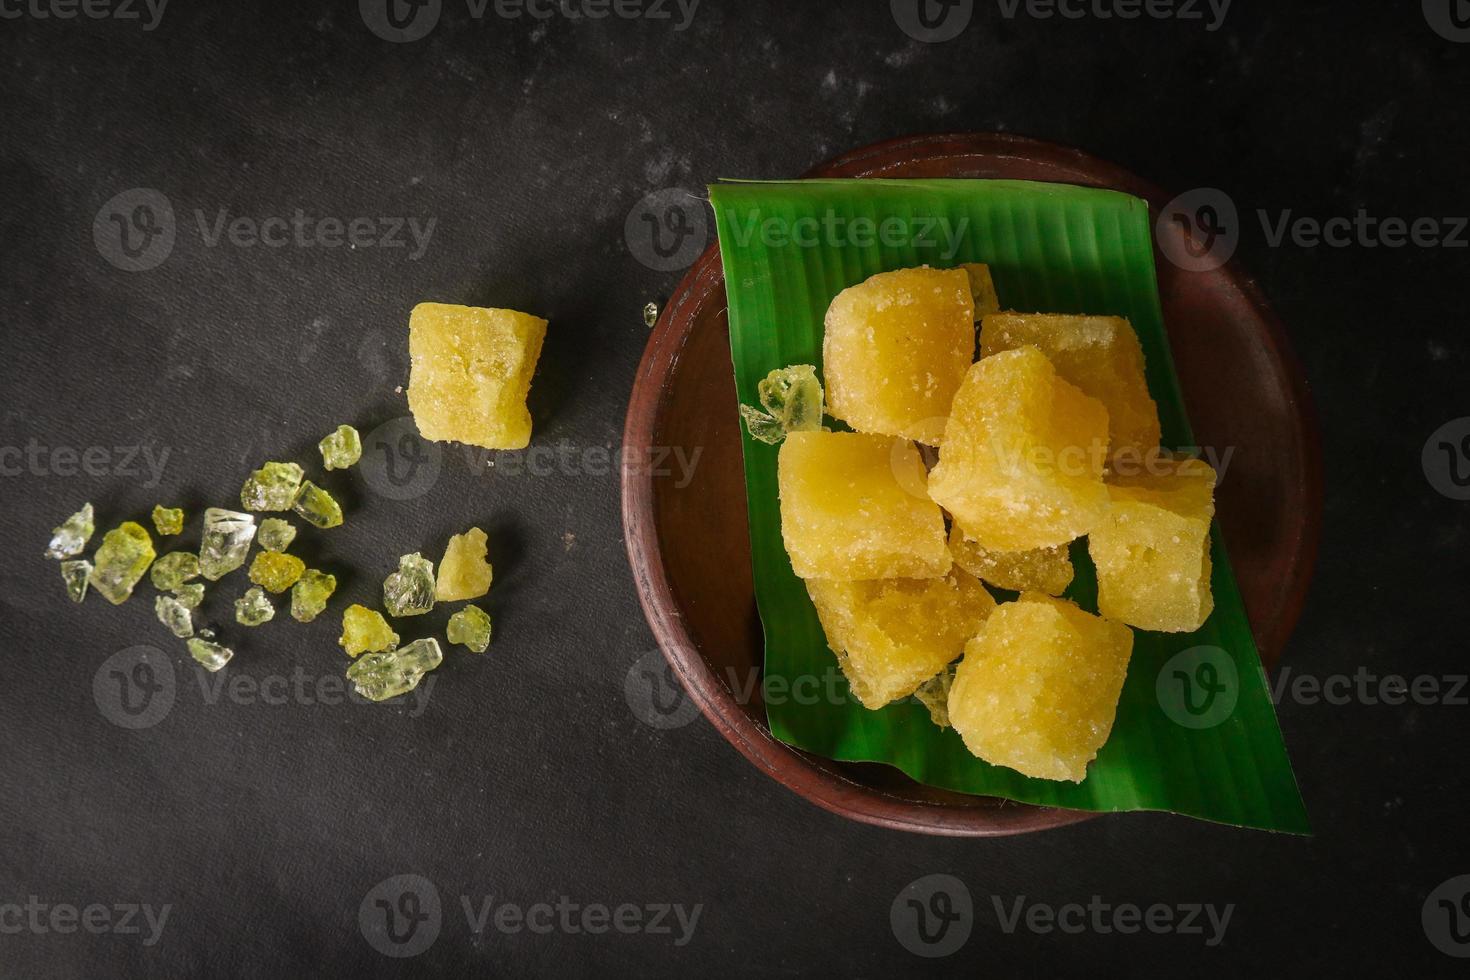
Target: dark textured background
(526,776)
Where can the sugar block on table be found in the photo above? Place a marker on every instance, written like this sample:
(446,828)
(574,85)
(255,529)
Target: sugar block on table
(895,349)
(178,617)
(1046,570)
(853,507)
(464,573)
(1152,552)
(122,560)
(211,656)
(891,635)
(1038,688)
(410,590)
(470,373)
(1022,459)
(982,289)
(1099,355)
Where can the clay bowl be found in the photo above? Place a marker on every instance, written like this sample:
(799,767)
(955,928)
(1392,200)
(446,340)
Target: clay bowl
(689,544)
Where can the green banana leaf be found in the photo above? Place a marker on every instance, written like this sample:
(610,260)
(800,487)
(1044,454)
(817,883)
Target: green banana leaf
(1196,732)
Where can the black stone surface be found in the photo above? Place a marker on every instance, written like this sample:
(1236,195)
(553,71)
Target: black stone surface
(263,818)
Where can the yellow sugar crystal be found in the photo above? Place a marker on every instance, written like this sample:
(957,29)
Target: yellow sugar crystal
(1022,459)
(1038,688)
(365,630)
(982,289)
(1152,552)
(276,571)
(464,573)
(1046,570)
(1099,354)
(470,373)
(892,635)
(853,507)
(895,350)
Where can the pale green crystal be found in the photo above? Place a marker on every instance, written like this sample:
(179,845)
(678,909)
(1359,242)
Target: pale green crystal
(211,655)
(71,536)
(76,574)
(175,615)
(410,590)
(190,596)
(934,695)
(173,570)
(793,396)
(272,487)
(379,676)
(315,506)
(226,541)
(125,555)
(276,534)
(761,426)
(470,627)
(254,607)
(310,594)
(276,571)
(168,520)
(341,448)
(650,314)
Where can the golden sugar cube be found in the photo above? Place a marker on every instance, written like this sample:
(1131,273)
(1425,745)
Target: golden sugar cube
(895,350)
(464,573)
(470,373)
(1046,570)
(1022,459)
(853,507)
(1152,552)
(982,289)
(891,635)
(1100,355)
(1038,688)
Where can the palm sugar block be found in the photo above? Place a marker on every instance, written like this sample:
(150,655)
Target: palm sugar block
(1022,459)
(1046,570)
(853,507)
(1038,688)
(895,350)
(1152,551)
(891,635)
(470,373)
(1100,355)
